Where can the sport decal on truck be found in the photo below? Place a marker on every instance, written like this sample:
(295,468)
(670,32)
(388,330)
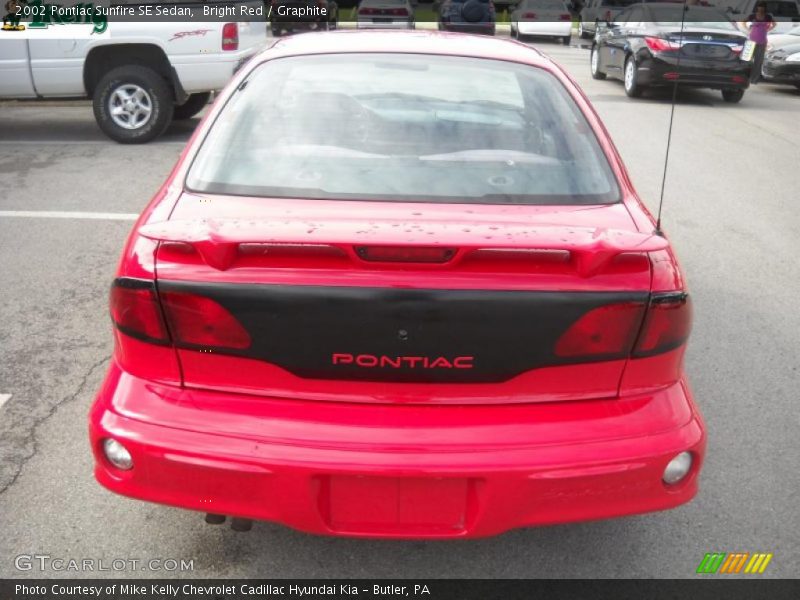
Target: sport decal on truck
(184,34)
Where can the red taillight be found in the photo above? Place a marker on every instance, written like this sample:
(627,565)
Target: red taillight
(738,79)
(230,37)
(367,11)
(529,15)
(400,12)
(607,330)
(661,45)
(135,311)
(200,321)
(412,254)
(666,326)
(566,17)
(671,75)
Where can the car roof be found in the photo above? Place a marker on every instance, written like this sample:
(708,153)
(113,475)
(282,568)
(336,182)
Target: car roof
(407,42)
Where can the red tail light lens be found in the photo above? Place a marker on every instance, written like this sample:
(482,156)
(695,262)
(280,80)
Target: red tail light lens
(661,45)
(400,12)
(367,11)
(566,17)
(200,321)
(666,326)
(607,330)
(529,15)
(135,311)
(230,37)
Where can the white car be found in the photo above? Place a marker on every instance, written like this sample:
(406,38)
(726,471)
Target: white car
(779,40)
(385,14)
(546,18)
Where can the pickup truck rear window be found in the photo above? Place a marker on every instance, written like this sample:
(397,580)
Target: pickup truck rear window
(404,127)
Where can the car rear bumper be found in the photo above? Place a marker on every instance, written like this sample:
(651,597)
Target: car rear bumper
(393,470)
(656,71)
(487,28)
(365,23)
(289,25)
(545,28)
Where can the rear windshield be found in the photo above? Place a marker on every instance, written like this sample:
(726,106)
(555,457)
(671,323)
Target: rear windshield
(404,127)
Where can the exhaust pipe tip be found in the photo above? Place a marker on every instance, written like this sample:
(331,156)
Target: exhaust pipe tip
(213,519)
(241,524)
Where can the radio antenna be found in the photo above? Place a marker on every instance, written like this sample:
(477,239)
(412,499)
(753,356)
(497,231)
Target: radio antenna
(671,118)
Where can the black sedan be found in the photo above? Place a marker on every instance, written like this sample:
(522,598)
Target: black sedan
(644,47)
(782,65)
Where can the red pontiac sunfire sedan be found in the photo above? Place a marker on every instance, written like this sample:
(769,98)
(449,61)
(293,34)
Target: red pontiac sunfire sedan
(399,285)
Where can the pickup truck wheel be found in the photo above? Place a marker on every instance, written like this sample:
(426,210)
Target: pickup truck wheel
(133,104)
(192,106)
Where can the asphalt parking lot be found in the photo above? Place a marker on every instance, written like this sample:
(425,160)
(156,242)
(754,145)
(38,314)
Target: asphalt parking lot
(730,208)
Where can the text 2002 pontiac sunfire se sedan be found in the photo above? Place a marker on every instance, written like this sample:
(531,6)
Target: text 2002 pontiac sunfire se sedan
(399,285)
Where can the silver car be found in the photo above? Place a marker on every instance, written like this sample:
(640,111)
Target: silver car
(385,14)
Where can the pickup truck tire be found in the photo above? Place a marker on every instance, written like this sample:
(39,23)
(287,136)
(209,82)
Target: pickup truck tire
(133,104)
(191,107)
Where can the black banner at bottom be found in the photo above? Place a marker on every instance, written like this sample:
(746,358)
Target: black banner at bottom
(379,589)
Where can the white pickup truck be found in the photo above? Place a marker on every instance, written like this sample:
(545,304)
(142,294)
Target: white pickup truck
(139,75)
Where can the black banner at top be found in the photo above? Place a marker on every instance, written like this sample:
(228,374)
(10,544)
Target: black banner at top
(40,13)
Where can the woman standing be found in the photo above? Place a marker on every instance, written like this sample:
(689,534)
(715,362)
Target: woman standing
(759,24)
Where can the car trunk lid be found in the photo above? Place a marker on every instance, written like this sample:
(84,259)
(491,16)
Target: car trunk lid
(392,302)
